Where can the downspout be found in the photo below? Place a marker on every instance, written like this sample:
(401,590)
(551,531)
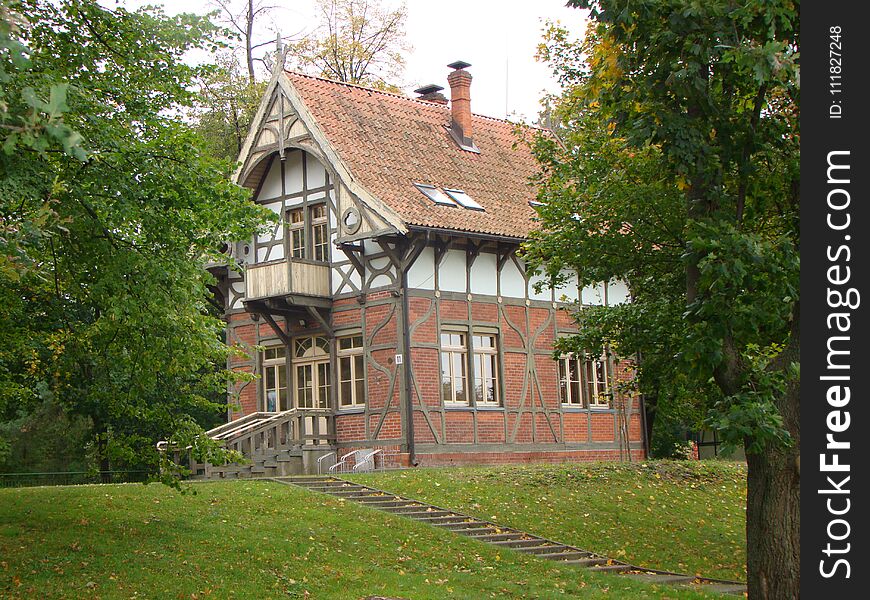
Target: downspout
(406,368)
(642,401)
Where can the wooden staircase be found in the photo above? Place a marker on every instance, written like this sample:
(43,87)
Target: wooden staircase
(273,443)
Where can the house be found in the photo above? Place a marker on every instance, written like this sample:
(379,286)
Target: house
(388,309)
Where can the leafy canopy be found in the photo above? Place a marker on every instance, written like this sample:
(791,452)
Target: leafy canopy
(111,211)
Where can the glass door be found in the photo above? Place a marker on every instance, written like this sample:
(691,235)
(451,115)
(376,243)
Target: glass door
(311,368)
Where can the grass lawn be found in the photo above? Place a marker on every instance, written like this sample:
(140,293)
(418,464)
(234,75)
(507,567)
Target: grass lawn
(681,516)
(261,539)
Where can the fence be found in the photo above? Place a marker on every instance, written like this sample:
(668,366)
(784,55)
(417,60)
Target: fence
(13,480)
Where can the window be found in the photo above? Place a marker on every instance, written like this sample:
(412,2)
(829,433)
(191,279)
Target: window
(485,364)
(481,371)
(463,199)
(274,365)
(319,232)
(296,222)
(434,194)
(351,372)
(569,380)
(584,382)
(596,376)
(454,360)
(311,366)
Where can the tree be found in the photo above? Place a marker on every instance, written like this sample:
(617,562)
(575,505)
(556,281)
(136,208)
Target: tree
(701,102)
(105,287)
(225,108)
(357,41)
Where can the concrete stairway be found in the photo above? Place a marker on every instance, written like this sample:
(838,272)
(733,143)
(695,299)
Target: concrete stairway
(502,537)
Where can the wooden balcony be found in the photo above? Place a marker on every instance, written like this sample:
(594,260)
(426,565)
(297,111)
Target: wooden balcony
(284,278)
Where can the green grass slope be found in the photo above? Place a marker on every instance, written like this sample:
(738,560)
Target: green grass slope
(246,539)
(680,516)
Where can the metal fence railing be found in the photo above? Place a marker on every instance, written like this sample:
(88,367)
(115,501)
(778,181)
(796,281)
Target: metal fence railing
(13,480)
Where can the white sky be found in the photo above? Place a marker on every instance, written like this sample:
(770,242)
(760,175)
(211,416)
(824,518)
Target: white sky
(498,38)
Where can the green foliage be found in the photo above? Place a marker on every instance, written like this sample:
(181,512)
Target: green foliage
(226,107)
(678,172)
(105,241)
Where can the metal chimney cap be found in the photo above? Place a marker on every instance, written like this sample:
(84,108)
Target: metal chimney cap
(428,89)
(459,64)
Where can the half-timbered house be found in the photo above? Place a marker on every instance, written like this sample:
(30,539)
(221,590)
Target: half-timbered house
(388,309)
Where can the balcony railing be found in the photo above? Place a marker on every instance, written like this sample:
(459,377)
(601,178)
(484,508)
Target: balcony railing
(281,278)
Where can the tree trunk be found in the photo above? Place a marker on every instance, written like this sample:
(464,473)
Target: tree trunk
(773,497)
(773,524)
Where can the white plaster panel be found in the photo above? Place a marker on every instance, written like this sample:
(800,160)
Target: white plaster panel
(569,292)
(452,272)
(512,283)
(237,294)
(421,275)
(293,172)
(337,280)
(484,278)
(617,293)
(271,187)
(546,293)
(593,294)
(276,252)
(261,254)
(381,281)
(379,263)
(316,173)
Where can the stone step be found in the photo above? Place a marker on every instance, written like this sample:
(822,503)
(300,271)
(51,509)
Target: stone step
(722,588)
(511,536)
(660,578)
(465,524)
(615,568)
(410,509)
(428,514)
(475,532)
(513,540)
(542,549)
(429,518)
(566,555)
(386,503)
(345,492)
(589,561)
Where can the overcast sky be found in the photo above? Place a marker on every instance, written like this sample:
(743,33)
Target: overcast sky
(498,38)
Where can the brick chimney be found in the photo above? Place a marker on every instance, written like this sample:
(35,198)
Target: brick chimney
(431,93)
(460,103)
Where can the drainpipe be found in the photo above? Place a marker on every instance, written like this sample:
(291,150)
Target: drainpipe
(406,368)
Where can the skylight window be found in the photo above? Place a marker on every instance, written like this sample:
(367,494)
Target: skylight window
(434,194)
(463,199)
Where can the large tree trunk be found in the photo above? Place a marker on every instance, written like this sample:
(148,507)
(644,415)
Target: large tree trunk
(773,497)
(773,525)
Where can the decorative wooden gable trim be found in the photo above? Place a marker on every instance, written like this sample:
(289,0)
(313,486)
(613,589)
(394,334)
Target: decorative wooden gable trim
(282,122)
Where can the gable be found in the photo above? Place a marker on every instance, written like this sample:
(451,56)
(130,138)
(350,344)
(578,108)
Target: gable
(282,124)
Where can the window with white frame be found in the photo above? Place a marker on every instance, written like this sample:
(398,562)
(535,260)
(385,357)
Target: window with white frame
(454,367)
(584,382)
(351,372)
(319,232)
(311,366)
(274,367)
(596,375)
(296,225)
(570,387)
(485,366)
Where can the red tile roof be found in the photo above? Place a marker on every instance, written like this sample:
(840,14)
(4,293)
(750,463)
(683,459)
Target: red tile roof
(390,142)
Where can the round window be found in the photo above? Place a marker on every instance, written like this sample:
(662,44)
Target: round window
(351,220)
